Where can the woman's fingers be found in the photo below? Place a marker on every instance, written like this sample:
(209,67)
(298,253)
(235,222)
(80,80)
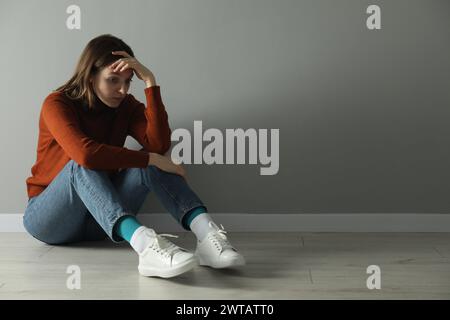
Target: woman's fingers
(123,63)
(181,171)
(125,67)
(115,63)
(121,53)
(119,66)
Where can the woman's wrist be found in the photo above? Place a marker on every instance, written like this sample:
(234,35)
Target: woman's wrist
(152,158)
(150,81)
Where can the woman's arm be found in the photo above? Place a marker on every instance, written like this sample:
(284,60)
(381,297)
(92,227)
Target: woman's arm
(165,163)
(149,125)
(62,123)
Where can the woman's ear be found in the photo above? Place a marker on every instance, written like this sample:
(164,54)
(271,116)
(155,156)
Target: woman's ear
(92,78)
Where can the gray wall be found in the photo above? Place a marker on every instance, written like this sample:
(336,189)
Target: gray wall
(363,115)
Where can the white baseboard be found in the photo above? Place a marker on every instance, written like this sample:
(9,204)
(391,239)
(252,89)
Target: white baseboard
(320,222)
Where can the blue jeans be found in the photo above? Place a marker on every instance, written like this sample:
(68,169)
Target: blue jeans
(85,204)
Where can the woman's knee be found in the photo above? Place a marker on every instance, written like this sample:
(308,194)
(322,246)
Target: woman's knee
(39,234)
(50,232)
(54,240)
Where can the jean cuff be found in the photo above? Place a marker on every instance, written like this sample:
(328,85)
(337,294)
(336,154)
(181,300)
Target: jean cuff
(186,215)
(114,237)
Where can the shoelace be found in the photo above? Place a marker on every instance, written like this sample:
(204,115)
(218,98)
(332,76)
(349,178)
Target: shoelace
(219,238)
(164,246)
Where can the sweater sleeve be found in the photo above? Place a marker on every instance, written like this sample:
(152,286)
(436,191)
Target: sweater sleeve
(62,123)
(150,126)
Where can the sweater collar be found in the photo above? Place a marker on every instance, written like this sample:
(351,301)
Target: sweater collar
(101,107)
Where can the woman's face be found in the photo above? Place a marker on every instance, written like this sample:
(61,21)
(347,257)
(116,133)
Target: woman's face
(112,87)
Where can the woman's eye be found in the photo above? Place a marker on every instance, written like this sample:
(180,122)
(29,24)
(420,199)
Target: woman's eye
(114,80)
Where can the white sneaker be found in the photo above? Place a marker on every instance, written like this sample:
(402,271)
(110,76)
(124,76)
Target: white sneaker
(163,258)
(216,251)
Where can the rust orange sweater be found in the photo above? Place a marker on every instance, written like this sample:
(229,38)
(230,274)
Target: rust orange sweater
(95,138)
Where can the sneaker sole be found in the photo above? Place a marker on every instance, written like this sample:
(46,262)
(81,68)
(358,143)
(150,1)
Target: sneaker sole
(167,273)
(229,264)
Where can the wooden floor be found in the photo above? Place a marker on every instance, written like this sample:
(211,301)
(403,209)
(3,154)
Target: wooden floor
(279,266)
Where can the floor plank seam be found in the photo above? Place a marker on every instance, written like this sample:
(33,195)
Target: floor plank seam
(310,276)
(439,253)
(44,253)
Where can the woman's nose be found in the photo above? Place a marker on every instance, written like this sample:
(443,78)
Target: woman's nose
(123,90)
